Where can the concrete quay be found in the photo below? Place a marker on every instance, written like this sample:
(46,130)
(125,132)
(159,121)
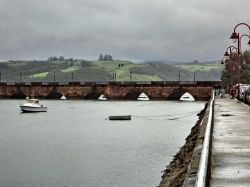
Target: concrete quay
(230,161)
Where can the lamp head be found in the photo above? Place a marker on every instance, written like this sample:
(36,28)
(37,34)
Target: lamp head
(248,43)
(226,54)
(234,37)
(222,62)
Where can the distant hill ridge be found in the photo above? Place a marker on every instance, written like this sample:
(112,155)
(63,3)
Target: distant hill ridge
(64,70)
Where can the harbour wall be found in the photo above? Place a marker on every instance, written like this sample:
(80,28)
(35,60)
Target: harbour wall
(182,170)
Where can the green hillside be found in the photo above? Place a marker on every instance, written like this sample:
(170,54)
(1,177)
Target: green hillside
(102,71)
(200,67)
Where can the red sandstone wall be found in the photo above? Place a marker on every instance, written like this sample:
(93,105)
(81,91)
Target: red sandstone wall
(111,91)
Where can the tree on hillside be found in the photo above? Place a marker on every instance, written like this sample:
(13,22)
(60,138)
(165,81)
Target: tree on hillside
(61,58)
(245,69)
(53,58)
(105,57)
(85,63)
(100,57)
(196,62)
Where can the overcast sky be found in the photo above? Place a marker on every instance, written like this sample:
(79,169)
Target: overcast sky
(178,30)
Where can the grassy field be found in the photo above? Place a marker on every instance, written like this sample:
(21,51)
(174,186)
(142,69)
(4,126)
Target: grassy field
(16,65)
(125,75)
(200,67)
(70,69)
(110,64)
(40,75)
(122,70)
(140,77)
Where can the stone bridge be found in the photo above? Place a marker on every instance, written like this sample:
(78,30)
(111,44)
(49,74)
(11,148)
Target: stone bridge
(161,90)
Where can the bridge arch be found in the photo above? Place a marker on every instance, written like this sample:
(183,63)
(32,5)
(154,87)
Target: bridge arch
(93,95)
(54,95)
(18,95)
(177,93)
(134,94)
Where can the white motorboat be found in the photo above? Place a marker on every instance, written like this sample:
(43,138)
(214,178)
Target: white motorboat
(187,97)
(102,98)
(143,97)
(32,105)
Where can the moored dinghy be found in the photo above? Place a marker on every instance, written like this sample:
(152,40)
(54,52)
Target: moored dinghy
(187,97)
(124,117)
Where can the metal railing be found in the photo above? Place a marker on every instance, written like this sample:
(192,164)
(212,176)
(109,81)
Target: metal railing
(115,83)
(202,174)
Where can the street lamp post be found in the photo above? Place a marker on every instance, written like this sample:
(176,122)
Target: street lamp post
(114,76)
(72,77)
(245,35)
(222,60)
(230,48)
(237,38)
(54,77)
(179,75)
(20,77)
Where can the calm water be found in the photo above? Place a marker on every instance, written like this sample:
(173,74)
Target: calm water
(74,144)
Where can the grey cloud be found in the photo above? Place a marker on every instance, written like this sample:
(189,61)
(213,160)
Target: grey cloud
(143,29)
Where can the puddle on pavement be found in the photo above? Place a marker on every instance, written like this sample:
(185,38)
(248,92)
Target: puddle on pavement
(226,115)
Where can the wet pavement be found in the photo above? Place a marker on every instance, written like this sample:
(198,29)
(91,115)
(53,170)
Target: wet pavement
(231,144)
